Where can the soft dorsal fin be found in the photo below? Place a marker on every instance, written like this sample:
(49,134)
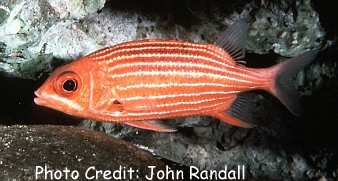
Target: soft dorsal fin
(233,39)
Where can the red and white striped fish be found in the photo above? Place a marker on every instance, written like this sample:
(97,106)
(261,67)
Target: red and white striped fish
(142,81)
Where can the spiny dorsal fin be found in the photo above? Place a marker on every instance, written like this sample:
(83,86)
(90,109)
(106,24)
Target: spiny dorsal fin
(233,39)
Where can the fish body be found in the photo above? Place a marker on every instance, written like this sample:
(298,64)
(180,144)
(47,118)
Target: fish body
(142,81)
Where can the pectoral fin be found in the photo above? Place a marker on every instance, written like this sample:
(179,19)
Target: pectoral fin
(154,125)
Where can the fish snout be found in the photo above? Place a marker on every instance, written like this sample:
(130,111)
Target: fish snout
(39,99)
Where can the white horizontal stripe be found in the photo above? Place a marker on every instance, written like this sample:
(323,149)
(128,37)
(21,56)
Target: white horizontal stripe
(188,102)
(142,114)
(176,73)
(165,96)
(183,103)
(163,85)
(166,64)
(64,100)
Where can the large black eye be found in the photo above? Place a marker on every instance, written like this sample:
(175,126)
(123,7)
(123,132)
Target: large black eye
(69,85)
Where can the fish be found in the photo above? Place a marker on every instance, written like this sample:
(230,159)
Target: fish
(143,82)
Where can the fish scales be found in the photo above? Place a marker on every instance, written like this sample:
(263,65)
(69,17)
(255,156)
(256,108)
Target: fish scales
(206,59)
(149,45)
(180,62)
(161,53)
(169,78)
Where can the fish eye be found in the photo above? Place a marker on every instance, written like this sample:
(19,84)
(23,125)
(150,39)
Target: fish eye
(67,83)
(70,85)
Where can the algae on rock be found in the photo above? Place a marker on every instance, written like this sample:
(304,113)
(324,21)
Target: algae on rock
(24,23)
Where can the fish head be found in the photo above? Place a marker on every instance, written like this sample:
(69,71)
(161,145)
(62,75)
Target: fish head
(67,89)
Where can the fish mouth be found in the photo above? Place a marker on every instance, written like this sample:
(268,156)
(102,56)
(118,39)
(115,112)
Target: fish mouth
(39,100)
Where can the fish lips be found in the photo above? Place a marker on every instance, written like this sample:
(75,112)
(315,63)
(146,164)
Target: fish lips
(39,100)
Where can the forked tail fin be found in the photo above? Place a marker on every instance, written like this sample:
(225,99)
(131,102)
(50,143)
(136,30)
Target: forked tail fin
(283,88)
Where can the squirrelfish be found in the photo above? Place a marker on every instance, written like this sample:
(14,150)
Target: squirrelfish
(142,81)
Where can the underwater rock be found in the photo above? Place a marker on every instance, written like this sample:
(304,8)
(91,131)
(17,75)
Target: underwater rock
(75,9)
(47,152)
(24,25)
(258,150)
(33,32)
(287,28)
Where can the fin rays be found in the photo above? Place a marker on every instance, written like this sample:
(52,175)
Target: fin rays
(284,89)
(233,39)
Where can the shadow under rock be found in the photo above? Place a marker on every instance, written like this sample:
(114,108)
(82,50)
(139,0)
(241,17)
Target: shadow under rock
(17,104)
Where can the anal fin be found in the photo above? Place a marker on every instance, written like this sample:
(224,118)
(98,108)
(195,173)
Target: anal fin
(240,112)
(232,120)
(154,125)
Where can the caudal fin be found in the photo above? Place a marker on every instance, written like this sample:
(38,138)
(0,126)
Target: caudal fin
(284,89)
